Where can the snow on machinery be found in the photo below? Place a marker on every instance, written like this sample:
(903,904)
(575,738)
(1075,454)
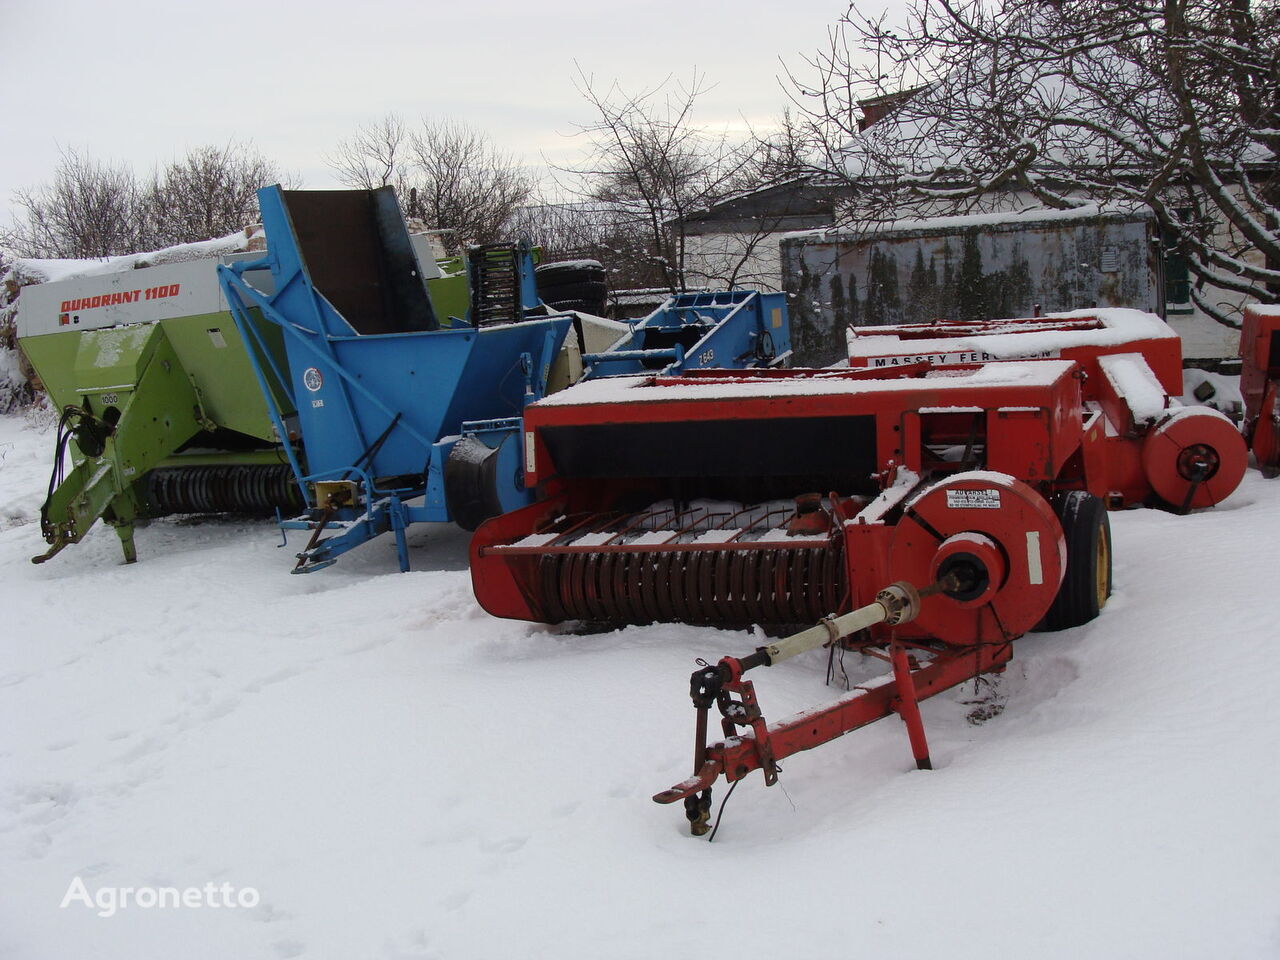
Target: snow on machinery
(1157,451)
(1260,385)
(395,403)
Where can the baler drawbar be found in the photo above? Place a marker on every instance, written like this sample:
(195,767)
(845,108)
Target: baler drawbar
(918,671)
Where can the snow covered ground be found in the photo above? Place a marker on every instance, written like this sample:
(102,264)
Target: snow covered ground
(398,775)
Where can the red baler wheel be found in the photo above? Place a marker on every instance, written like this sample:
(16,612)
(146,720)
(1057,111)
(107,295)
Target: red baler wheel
(1189,441)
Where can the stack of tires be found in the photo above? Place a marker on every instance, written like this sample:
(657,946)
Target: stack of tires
(573,285)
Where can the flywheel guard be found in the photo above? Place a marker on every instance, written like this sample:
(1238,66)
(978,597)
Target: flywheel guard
(1006,515)
(1194,458)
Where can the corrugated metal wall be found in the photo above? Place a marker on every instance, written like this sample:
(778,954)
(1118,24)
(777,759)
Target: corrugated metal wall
(966,269)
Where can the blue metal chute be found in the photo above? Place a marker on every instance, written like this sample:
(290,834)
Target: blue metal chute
(728,329)
(375,380)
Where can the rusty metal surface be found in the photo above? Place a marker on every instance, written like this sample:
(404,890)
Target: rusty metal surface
(974,272)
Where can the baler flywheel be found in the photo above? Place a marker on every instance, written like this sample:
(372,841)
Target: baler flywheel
(1195,457)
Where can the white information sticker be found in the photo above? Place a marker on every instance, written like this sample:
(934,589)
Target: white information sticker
(973,499)
(1035,570)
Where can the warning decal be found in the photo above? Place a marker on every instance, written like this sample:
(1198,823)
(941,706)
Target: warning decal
(973,499)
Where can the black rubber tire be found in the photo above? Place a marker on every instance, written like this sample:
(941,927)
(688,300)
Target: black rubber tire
(471,483)
(585,289)
(582,306)
(573,286)
(574,271)
(587,297)
(1087,581)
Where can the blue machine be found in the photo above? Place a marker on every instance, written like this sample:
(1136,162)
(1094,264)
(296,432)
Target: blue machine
(730,329)
(405,416)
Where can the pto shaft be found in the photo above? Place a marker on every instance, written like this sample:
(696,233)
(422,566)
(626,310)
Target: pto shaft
(896,603)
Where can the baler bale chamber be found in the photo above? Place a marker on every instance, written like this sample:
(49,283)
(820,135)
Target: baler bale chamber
(781,497)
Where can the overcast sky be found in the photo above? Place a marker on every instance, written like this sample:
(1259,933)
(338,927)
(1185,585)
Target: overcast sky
(143,81)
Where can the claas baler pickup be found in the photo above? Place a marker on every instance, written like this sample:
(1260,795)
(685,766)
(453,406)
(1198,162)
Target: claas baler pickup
(1260,385)
(1157,451)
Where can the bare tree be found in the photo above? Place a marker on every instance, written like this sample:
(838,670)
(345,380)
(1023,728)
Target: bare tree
(377,155)
(91,209)
(210,192)
(96,209)
(739,246)
(654,167)
(447,173)
(460,181)
(786,153)
(1171,105)
(567,228)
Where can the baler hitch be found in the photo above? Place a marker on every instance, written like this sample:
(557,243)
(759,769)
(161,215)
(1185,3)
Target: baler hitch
(723,685)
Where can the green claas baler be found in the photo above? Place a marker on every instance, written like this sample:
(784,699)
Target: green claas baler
(158,403)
